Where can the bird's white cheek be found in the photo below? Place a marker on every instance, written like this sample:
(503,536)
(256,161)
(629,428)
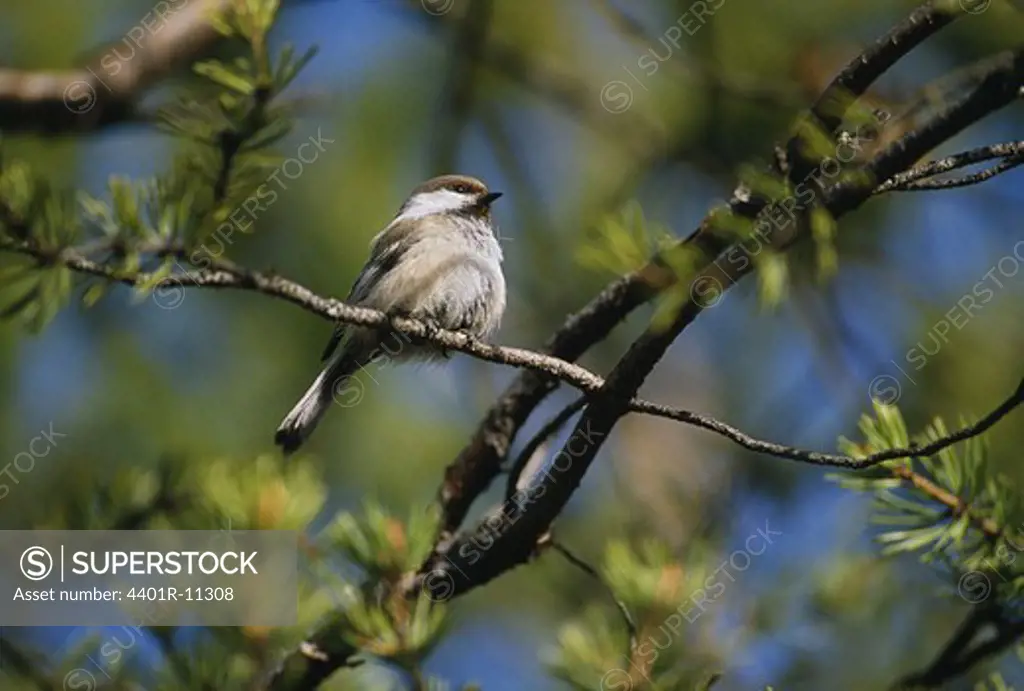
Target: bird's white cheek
(439,202)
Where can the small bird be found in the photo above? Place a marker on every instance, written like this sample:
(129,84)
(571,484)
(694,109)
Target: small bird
(438,261)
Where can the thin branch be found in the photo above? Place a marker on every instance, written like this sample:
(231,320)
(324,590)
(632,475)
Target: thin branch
(769,448)
(827,459)
(534,445)
(328,308)
(957,506)
(1007,634)
(586,568)
(999,86)
(966,180)
(915,178)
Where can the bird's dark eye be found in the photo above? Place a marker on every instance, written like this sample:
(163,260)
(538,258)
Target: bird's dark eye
(462,189)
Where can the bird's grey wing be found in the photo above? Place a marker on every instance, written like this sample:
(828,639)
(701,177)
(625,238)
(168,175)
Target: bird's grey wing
(385,253)
(336,336)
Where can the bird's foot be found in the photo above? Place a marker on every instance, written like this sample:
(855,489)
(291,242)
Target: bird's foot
(394,314)
(398,313)
(432,330)
(471,339)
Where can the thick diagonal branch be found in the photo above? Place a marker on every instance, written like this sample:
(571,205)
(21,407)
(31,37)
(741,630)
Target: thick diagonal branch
(476,466)
(853,81)
(512,541)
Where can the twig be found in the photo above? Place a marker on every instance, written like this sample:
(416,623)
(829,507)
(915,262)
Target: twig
(827,459)
(966,180)
(996,88)
(586,568)
(524,457)
(957,506)
(914,179)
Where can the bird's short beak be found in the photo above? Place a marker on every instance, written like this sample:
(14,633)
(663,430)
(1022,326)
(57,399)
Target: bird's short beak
(489,198)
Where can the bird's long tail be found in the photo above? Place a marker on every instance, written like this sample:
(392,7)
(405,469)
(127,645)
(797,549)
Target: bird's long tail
(300,422)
